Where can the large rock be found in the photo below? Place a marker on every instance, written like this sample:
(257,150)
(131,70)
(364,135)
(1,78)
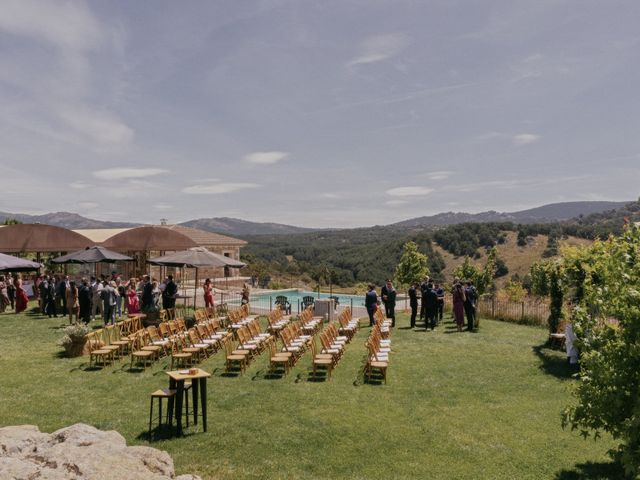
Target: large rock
(79,452)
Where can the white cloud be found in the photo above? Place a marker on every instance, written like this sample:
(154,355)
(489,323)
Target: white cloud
(266,158)
(396,203)
(409,191)
(217,188)
(441,175)
(331,196)
(68,25)
(101,127)
(525,139)
(379,47)
(125,173)
(80,185)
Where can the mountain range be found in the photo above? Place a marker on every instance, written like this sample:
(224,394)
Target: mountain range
(553,212)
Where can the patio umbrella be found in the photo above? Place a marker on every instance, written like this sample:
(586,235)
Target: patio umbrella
(196,257)
(9,263)
(93,255)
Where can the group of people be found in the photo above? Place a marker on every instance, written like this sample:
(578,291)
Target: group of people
(12,294)
(105,297)
(388,296)
(431,298)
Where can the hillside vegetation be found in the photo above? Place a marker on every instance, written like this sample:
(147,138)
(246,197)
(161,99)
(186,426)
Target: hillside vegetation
(362,255)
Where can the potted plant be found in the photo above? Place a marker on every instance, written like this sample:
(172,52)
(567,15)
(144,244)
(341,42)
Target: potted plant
(74,339)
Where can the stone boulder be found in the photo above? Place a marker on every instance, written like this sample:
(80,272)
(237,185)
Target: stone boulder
(79,452)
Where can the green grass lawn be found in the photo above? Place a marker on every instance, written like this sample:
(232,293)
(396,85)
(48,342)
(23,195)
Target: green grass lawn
(457,406)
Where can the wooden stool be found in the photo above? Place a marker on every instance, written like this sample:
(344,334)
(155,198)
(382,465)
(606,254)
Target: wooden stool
(160,394)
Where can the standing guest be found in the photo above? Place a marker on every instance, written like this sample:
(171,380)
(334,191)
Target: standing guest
(245,294)
(50,299)
(430,301)
(470,297)
(147,294)
(122,295)
(108,296)
(71,301)
(458,304)
(157,294)
(133,303)
(371,302)
(85,297)
(96,298)
(208,293)
(388,294)
(169,294)
(423,306)
(11,291)
(21,296)
(440,294)
(4,296)
(413,303)
(61,292)
(43,287)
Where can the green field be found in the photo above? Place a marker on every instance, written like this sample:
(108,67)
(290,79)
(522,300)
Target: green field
(457,406)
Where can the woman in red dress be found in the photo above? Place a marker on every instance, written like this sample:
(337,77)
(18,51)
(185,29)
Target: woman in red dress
(21,296)
(133,304)
(208,293)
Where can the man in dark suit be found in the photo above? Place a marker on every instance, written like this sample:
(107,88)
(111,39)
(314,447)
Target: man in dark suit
(85,295)
(109,298)
(440,310)
(147,294)
(388,294)
(423,305)
(413,302)
(470,298)
(169,293)
(430,301)
(371,303)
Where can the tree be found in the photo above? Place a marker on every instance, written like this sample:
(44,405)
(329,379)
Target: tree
(522,238)
(481,278)
(484,279)
(514,291)
(412,266)
(605,314)
(11,221)
(547,279)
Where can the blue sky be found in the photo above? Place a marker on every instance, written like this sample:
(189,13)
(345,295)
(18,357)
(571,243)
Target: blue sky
(316,113)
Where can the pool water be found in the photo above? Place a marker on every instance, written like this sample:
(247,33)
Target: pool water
(294,296)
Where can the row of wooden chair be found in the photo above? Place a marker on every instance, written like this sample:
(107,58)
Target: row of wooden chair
(309,323)
(277,320)
(348,325)
(378,348)
(239,317)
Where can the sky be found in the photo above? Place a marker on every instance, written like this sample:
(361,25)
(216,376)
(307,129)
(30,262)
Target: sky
(328,113)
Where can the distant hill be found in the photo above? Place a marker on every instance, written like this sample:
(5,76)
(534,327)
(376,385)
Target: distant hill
(579,214)
(237,227)
(64,219)
(554,212)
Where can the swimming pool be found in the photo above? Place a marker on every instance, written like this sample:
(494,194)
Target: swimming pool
(294,296)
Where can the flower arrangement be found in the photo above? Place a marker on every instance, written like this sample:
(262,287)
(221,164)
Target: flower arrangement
(74,339)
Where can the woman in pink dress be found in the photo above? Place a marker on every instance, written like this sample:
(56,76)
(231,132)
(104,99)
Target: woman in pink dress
(458,304)
(133,304)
